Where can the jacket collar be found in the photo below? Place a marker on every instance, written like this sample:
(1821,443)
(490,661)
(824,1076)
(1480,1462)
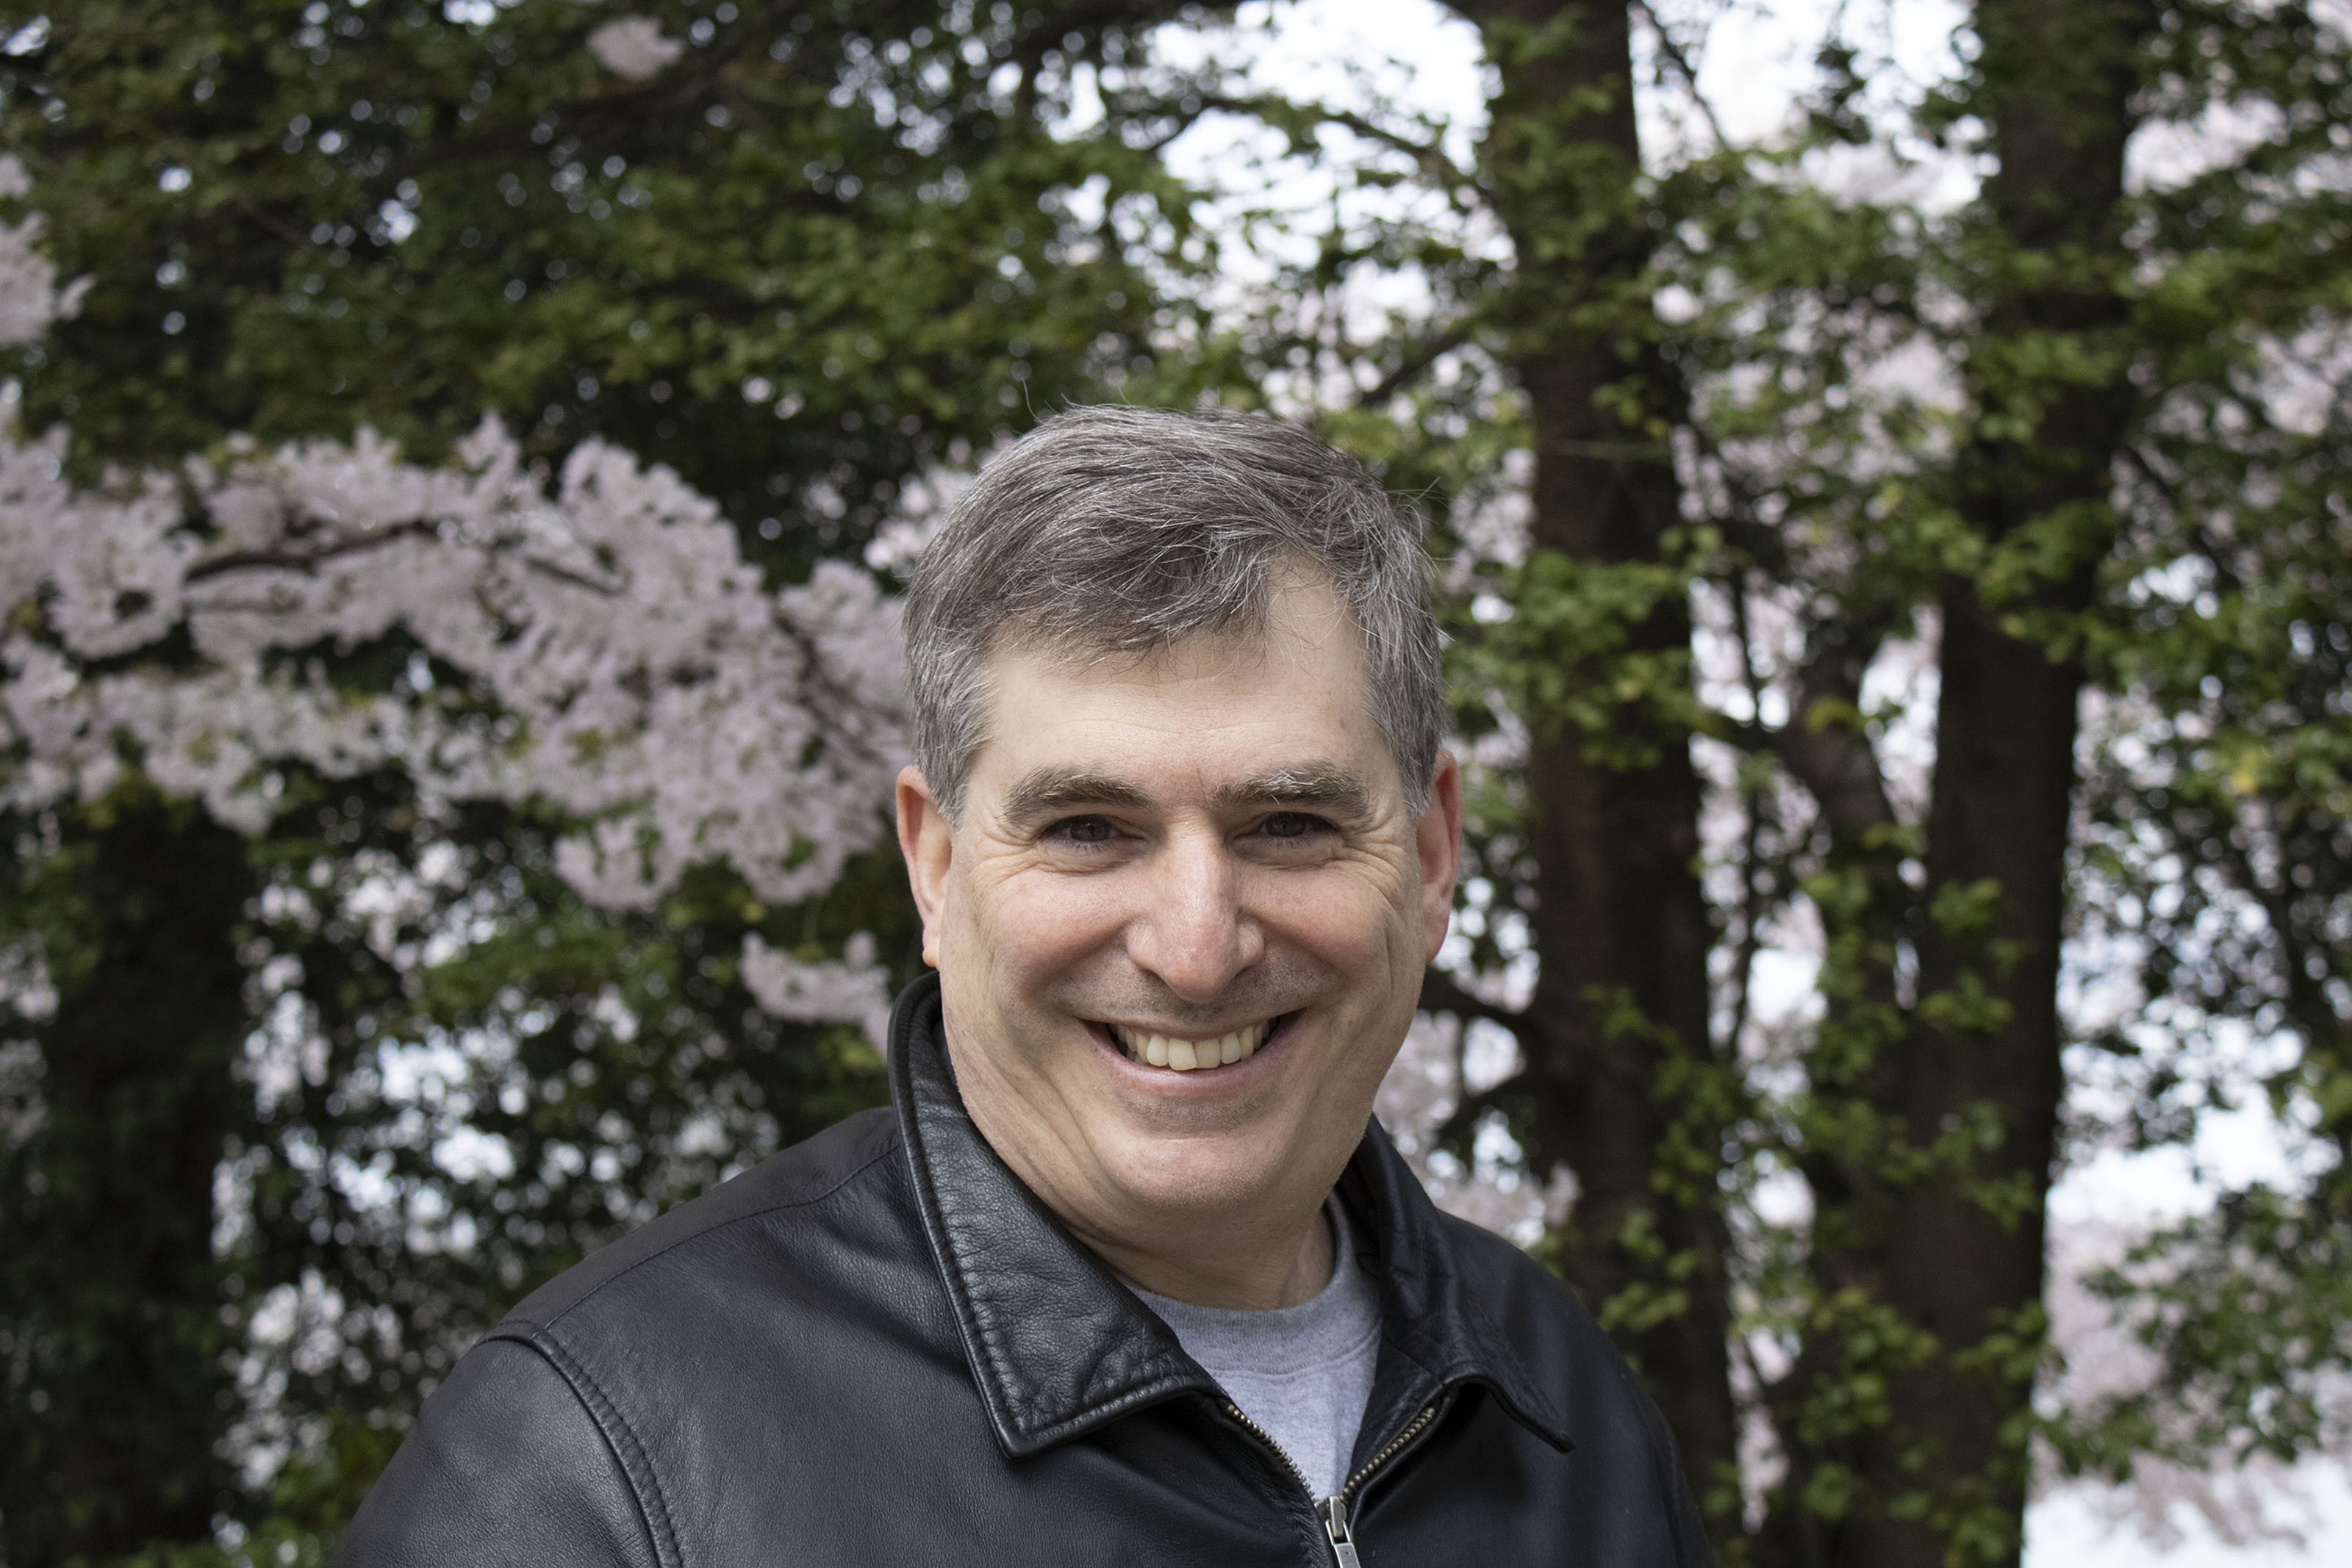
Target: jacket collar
(1059,1346)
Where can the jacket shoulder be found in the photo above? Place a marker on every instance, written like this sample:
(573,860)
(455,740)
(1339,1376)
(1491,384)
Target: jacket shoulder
(555,1438)
(807,1172)
(1565,1353)
(1518,1293)
(508,1464)
(1542,1315)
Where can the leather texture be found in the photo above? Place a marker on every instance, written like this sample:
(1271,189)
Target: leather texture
(879,1348)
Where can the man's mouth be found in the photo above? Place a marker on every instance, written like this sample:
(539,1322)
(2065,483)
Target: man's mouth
(1190,1055)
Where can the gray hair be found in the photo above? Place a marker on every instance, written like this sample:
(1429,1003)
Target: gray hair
(1111,529)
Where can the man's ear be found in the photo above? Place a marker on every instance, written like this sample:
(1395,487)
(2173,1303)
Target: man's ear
(1437,840)
(927,839)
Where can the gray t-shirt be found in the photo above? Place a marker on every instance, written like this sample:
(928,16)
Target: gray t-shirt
(1303,1372)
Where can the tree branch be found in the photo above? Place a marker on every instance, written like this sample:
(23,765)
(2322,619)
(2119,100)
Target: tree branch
(1751,897)
(1415,364)
(1836,761)
(1680,62)
(304,561)
(1471,1108)
(1441,993)
(308,561)
(1282,113)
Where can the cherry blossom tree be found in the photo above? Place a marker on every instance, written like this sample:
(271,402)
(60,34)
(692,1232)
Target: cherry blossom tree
(615,656)
(588,646)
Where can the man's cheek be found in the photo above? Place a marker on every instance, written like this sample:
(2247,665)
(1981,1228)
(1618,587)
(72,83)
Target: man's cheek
(1349,922)
(1045,920)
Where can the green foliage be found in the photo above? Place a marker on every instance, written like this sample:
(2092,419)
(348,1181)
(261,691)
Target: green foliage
(2115,427)
(817,251)
(2220,859)
(1562,657)
(830,246)
(821,251)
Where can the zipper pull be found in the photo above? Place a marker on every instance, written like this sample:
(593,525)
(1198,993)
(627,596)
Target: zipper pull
(1334,1524)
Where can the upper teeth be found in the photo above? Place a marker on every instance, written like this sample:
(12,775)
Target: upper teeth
(1184,1055)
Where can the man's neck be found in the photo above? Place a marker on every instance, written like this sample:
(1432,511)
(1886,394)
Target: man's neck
(1276,1274)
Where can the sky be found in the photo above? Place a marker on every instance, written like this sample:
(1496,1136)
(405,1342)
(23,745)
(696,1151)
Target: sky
(1752,61)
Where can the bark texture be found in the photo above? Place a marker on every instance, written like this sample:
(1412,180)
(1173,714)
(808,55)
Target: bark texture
(1622,931)
(113,1391)
(1944,1223)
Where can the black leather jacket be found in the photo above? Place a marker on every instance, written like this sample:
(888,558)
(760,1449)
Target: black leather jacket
(878,1347)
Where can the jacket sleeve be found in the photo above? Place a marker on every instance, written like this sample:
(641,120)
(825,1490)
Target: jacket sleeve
(507,1466)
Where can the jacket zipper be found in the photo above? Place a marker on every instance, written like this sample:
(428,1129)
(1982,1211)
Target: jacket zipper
(1333,1511)
(1397,1445)
(1335,1525)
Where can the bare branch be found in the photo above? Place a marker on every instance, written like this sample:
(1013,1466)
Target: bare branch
(609,587)
(1751,895)
(1473,1108)
(1441,993)
(304,561)
(1415,363)
(307,561)
(2152,467)
(1427,156)
(1834,760)
(1680,62)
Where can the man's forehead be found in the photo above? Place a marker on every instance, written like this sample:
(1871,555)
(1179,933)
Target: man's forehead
(1204,707)
(1277,711)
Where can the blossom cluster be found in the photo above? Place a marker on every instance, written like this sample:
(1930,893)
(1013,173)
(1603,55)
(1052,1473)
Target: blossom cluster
(633,48)
(29,297)
(591,639)
(854,990)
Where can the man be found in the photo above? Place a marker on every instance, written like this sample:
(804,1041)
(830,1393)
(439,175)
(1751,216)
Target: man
(1123,1275)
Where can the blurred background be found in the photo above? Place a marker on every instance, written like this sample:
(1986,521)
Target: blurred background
(1887,471)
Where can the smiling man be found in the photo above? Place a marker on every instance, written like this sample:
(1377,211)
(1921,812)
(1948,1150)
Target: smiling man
(1125,1274)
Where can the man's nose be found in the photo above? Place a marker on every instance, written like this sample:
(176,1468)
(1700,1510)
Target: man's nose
(1190,929)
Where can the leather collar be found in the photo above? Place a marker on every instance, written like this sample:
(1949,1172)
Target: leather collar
(1059,1346)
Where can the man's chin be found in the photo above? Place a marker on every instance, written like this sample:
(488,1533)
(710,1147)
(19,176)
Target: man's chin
(1199,1176)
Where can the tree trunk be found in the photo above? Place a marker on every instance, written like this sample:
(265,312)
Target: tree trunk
(1980,1080)
(114,1393)
(1618,1035)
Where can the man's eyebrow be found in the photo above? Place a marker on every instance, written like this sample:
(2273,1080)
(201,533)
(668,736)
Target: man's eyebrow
(1049,791)
(1317,787)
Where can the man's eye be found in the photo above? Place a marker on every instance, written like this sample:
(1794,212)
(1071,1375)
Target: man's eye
(1293,825)
(1084,831)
